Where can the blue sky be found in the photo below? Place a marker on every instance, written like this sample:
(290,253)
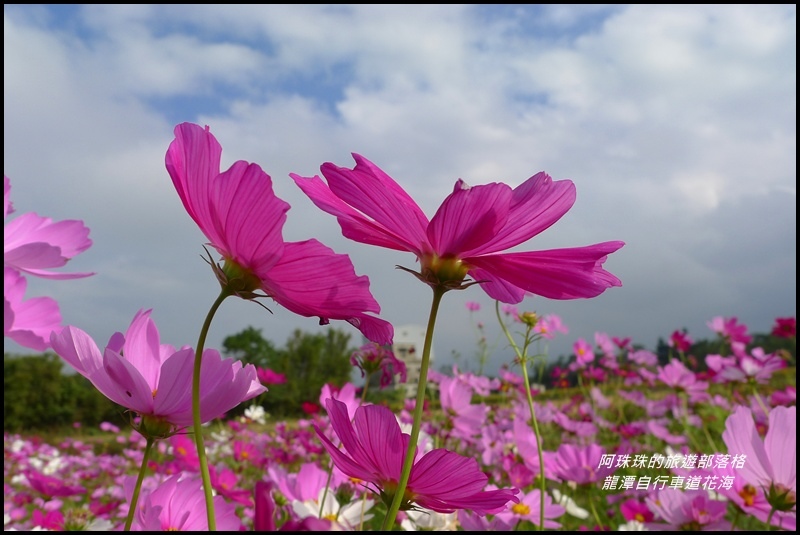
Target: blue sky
(676,123)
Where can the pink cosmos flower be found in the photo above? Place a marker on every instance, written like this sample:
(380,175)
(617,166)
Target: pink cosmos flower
(748,498)
(155,380)
(455,397)
(48,521)
(468,233)
(584,353)
(730,329)
(33,244)
(178,504)
(526,443)
(374,449)
(529,508)
(346,394)
(226,483)
(269,377)
(549,325)
(581,464)
(303,484)
(373,358)
(472,522)
(679,377)
(511,310)
(633,509)
(771,464)
(266,511)
(27,322)
(50,486)
(242,218)
(681,341)
(785,328)
(753,366)
(690,510)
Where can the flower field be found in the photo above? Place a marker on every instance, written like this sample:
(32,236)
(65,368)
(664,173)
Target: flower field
(650,446)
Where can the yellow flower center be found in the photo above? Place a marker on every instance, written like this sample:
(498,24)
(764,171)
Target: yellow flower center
(521,509)
(748,494)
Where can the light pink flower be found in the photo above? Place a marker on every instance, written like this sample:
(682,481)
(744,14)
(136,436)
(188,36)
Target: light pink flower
(469,521)
(346,394)
(581,464)
(549,325)
(33,244)
(27,322)
(455,397)
(679,377)
(155,380)
(771,464)
(687,510)
(374,450)
(529,508)
(267,512)
(730,329)
(178,504)
(239,213)
(584,353)
(468,233)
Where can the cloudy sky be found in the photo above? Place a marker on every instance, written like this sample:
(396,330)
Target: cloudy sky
(677,125)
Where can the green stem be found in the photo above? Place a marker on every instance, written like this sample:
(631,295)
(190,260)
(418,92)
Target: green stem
(422,384)
(325,492)
(737,513)
(760,401)
(769,519)
(197,421)
(594,513)
(142,470)
(523,360)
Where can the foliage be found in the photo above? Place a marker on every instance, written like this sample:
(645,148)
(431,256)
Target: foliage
(308,361)
(251,347)
(38,396)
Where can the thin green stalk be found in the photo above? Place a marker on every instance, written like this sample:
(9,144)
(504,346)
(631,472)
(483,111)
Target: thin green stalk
(760,401)
(137,489)
(769,519)
(521,355)
(422,384)
(196,419)
(594,513)
(737,513)
(325,492)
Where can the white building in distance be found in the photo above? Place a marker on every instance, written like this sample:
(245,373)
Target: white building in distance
(408,343)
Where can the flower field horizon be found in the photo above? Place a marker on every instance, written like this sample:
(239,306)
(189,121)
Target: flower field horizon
(636,445)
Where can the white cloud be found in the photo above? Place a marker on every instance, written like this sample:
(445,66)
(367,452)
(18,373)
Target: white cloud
(670,119)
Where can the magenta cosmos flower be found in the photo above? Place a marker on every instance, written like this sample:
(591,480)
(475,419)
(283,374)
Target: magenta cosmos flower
(33,244)
(440,480)
(28,322)
(468,232)
(242,218)
(154,380)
